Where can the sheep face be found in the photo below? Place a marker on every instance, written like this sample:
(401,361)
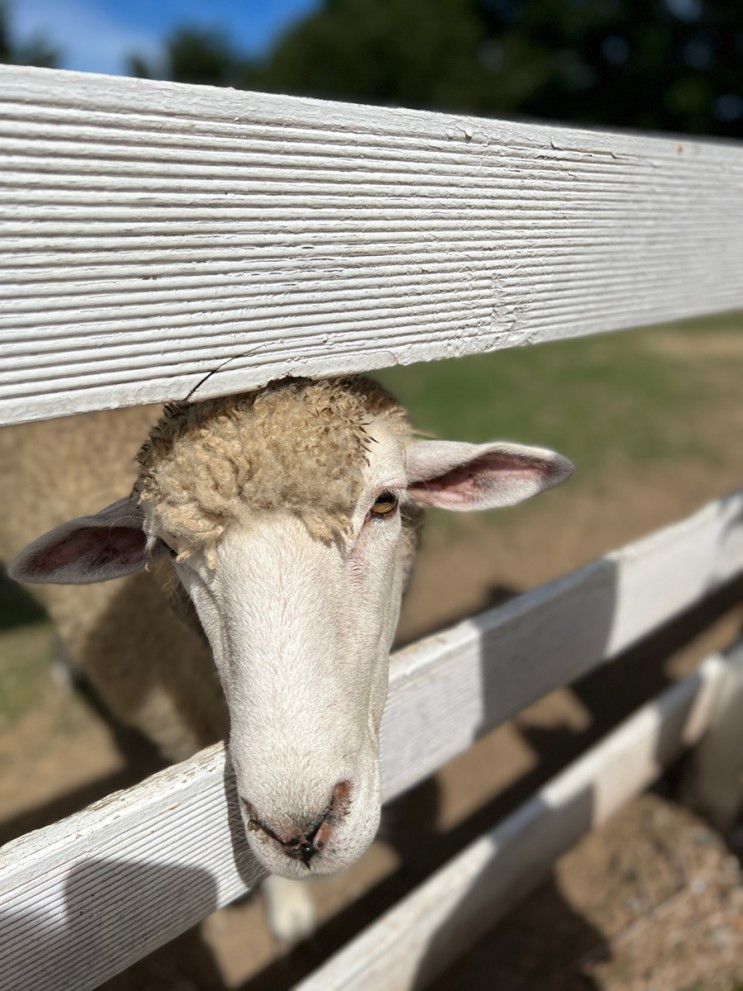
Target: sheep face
(300,631)
(300,617)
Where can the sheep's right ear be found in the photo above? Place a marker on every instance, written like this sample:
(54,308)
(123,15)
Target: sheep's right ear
(90,549)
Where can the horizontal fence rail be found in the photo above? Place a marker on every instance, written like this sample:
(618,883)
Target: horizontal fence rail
(153,233)
(424,933)
(82,899)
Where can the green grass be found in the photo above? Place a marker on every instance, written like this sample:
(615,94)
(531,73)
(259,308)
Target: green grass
(611,402)
(600,400)
(25,659)
(25,652)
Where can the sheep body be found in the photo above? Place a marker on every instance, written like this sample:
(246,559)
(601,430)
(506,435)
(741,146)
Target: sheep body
(152,671)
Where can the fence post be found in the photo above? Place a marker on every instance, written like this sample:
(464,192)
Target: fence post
(713,782)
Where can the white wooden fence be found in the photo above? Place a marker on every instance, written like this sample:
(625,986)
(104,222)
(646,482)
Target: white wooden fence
(152,233)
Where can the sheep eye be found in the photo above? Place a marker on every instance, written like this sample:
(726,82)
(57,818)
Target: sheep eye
(384,504)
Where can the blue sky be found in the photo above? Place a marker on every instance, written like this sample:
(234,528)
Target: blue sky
(96,35)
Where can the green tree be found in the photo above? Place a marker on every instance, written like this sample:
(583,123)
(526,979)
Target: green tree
(413,52)
(197,55)
(674,65)
(36,50)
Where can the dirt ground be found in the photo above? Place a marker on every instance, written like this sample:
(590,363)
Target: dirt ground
(662,911)
(653,901)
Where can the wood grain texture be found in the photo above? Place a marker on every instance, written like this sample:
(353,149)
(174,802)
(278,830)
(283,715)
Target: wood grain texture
(428,930)
(82,899)
(153,232)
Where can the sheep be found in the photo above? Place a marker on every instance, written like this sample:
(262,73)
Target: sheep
(152,671)
(281,524)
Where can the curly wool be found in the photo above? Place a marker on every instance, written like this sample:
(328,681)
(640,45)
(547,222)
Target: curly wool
(296,444)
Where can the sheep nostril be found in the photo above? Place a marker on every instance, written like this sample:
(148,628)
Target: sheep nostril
(256,825)
(301,848)
(340,799)
(303,843)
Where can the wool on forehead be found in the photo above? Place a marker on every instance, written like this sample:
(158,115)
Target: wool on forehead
(296,444)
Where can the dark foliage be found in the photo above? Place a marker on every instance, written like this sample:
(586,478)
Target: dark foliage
(36,50)
(663,64)
(198,55)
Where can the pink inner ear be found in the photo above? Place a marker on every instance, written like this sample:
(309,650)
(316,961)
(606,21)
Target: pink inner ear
(467,484)
(92,547)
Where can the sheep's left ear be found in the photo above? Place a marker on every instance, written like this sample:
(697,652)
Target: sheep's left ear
(466,477)
(96,548)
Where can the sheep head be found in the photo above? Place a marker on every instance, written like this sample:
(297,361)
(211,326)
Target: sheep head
(289,516)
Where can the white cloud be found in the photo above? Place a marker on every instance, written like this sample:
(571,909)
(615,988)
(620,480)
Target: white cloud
(90,39)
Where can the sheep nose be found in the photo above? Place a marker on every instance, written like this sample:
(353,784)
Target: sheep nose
(304,846)
(305,843)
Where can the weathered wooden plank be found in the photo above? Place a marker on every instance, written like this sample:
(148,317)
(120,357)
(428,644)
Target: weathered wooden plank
(153,232)
(83,898)
(87,896)
(425,933)
(450,689)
